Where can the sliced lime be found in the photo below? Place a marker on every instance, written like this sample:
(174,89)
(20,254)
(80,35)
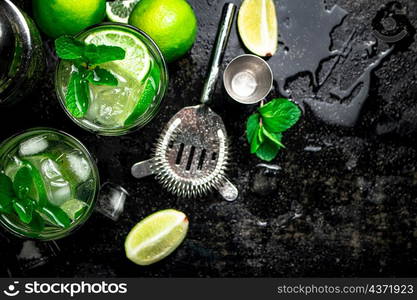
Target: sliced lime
(156,236)
(74,208)
(147,96)
(143,103)
(137,60)
(13,167)
(119,10)
(258,27)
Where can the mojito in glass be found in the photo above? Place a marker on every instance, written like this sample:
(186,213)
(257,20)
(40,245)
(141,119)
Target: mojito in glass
(142,80)
(48,184)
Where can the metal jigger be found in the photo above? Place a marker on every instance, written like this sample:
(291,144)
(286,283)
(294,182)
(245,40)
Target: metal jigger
(248,79)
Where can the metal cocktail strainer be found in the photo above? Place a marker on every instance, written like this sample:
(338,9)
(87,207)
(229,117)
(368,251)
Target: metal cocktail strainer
(192,152)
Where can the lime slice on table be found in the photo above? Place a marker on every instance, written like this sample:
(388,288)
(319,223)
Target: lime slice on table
(119,10)
(74,208)
(137,60)
(258,27)
(156,236)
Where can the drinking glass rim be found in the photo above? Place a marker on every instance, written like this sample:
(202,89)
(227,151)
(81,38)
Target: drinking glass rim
(65,232)
(163,87)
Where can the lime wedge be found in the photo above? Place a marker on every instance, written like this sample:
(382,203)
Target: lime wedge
(13,167)
(119,10)
(258,27)
(147,96)
(137,60)
(156,236)
(144,102)
(74,208)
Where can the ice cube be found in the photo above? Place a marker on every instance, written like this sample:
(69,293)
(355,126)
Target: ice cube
(78,165)
(85,190)
(50,169)
(59,190)
(33,145)
(111,106)
(112,200)
(265,180)
(60,194)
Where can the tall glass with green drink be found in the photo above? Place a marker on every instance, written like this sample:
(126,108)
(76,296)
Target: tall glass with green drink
(48,184)
(117,95)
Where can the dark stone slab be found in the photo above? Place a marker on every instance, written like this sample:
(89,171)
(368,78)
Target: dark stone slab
(342,201)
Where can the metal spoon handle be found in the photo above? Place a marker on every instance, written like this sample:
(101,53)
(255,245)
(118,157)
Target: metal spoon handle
(219,49)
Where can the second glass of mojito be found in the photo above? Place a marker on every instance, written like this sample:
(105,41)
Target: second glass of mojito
(48,184)
(142,81)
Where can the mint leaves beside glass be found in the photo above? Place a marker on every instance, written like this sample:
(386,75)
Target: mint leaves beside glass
(15,199)
(264,129)
(85,59)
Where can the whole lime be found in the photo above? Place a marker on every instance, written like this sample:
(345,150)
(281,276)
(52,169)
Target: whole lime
(58,17)
(172,24)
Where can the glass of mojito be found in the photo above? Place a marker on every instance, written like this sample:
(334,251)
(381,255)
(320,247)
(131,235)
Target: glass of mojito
(48,184)
(124,100)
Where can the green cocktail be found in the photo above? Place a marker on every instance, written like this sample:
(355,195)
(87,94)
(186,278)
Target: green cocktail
(141,82)
(48,184)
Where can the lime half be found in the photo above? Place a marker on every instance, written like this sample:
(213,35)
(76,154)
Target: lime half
(156,236)
(137,60)
(119,10)
(258,27)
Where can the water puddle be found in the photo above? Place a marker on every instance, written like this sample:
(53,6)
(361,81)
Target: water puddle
(325,63)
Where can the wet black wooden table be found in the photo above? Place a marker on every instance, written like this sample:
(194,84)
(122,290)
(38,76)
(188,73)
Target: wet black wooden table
(340,200)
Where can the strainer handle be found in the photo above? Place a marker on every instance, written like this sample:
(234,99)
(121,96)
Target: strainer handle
(218,51)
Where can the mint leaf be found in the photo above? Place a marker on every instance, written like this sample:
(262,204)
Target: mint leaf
(6,185)
(6,203)
(24,209)
(268,150)
(69,48)
(77,96)
(37,224)
(6,194)
(100,54)
(273,137)
(100,76)
(252,129)
(279,115)
(22,182)
(254,144)
(252,126)
(56,216)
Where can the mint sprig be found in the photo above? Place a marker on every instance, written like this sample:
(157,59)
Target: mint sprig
(264,128)
(14,199)
(86,58)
